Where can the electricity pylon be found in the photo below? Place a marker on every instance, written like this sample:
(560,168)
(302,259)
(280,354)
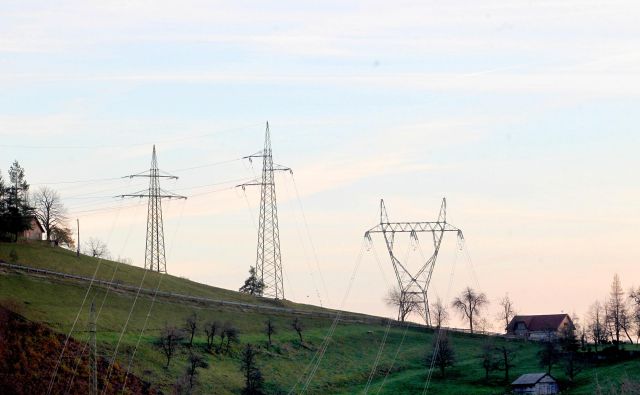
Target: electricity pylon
(93,352)
(154,254)
(413,285)
(268,259)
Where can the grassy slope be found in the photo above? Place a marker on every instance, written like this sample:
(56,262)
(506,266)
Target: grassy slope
(344,369)
(61,260)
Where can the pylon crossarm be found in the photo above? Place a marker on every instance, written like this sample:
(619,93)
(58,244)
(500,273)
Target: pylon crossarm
(413,227)
(149,175)
(258,154)
(159,196)
(253,184)
(277,167)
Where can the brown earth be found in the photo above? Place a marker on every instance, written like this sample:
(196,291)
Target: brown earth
(29,352)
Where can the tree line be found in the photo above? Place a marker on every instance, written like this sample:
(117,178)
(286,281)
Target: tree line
(609,324)
(615,319)
(222,339)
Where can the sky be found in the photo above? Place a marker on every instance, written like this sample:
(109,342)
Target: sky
(522,114)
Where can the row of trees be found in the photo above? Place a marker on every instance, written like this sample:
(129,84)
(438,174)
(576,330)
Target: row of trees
(609,323)
(469,304)
(614,320)
(497,355)
(18,207)
(220,338)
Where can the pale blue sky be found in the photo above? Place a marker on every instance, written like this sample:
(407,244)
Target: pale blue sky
(522,113)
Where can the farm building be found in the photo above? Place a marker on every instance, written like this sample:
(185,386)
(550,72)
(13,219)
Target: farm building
(539,327)
(535,383)
(35,232)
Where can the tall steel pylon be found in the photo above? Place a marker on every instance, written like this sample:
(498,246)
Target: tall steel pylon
(154,254)
(413,285)
(268,258)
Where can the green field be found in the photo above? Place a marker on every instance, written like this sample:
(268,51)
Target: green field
(346,365)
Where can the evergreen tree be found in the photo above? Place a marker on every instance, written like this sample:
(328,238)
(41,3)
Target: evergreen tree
(15,212)
(253,285)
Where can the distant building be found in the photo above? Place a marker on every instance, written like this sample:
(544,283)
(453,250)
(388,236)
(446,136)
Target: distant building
(35,233)
(535,383)
(539,327)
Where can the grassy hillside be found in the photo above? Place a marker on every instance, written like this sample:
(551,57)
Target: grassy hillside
(345,367)
(61,260)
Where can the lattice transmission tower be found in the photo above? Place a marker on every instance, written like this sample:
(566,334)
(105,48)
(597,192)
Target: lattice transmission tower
(154,253)
(268,258)
(413,285)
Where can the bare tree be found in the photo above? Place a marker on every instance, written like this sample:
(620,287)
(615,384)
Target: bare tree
(406,303)
(569,358)
(507,355)
(270,329)
(580,330)
(211,330)
(596,325)
(469,305)
(549,355)
(442,354)
(507,311)
(489,359)
(626,321)
(96,248)
(253,377)
(170,339)
(125,260)
(616,310)
(439,313)
(49,210)
(195,361)
(298,327)
(634,295)
(484,325)
(191,325)
(233,336)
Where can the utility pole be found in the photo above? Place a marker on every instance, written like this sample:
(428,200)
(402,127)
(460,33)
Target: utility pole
(78,226)
(268,259)
(417,284)
(154,254)
(93,353)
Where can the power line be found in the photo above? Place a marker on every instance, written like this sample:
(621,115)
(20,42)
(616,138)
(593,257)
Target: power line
(102,146)
(75,321)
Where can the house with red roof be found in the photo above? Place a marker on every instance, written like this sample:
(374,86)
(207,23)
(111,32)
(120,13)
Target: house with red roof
(539,327)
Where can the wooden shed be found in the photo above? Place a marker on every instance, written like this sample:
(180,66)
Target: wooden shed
(535,383)
(35,232)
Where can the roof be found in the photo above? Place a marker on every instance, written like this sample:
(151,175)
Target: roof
(544,322)
(533,378)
